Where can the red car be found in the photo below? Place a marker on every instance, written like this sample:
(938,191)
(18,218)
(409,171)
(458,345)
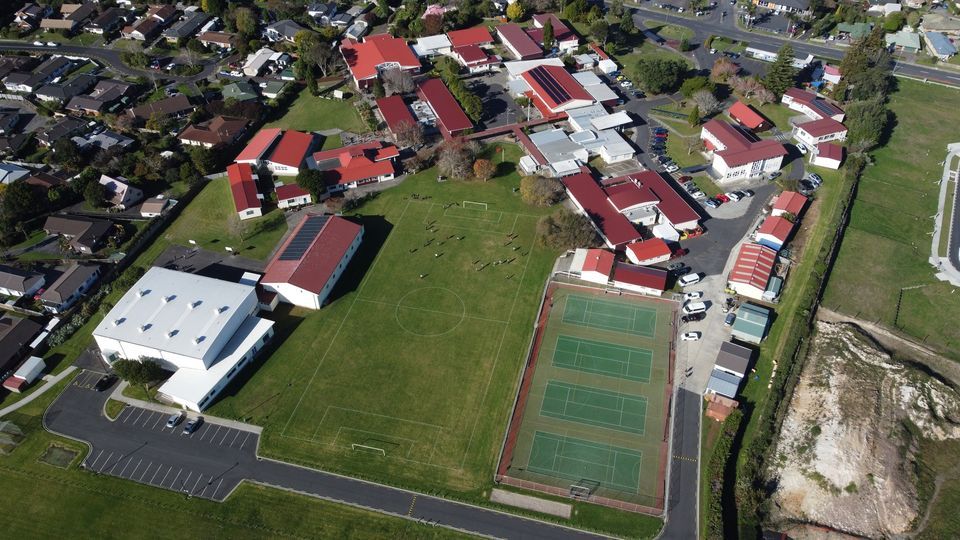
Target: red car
(722,198)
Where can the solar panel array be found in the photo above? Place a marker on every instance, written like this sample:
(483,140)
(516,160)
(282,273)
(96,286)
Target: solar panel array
(304,237)
(556,92)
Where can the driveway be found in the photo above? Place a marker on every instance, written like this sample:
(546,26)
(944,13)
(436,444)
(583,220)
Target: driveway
(216,458)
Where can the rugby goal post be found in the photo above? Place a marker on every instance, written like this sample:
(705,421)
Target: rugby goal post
(475,205)
(368,449)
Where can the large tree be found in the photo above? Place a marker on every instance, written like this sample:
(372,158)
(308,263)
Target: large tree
(865,69)
(142,372)
(782,74)
(540,191)
(96,194)
(707,102)
(566,230)
(548,35)
(455,158)
(397,81)
(312,181)
(600,30)
(659,75)
(408,134)
(515,11)
(627,26)
(866,122)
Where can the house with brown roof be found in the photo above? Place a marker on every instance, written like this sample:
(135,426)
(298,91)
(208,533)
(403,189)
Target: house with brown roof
(108,21)
(143,29)
(155,207)
(220,40)
(84,235)
(176,106)
(218,131)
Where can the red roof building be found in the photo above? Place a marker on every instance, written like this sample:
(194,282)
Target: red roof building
(629,195)
(478,35)
(739,155)
(811,104)
(554,90)
(599,51)
(395,113)
(290,152)
(774,232)
(819,131)
(451,120)
(356,165)
(789,202)
(651,251)
(564,39)
(641,279)
(752,269)
(670,204)
(596,266)
(259,146)
(615,229)
(368,58)
(475,59)
(292,195)
(243,186)
(520,45)
(748,117)
(310,261)
(827,155)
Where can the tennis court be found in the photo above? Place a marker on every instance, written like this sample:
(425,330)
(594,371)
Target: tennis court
(595,407)
(590,356)
(577,459)
(612,316)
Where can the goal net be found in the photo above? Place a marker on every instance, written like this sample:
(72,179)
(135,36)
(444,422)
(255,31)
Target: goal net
(368,449)
(583,489)
(475,205)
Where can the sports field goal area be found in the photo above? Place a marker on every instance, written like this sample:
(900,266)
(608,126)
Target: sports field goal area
(592,415)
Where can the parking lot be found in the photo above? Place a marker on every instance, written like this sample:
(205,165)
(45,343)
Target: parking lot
(499,108)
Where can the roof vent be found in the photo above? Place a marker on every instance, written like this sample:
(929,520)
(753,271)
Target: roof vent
(221,309)
(143,328)
(167,299)
(141,293)
(194,304)
(116,322)
(197,340)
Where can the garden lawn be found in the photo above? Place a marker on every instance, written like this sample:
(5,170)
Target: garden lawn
(677,149)
(312,113)
(669,31)
(211,220)
(892,215)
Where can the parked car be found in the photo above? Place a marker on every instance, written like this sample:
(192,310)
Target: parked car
(659,130)
(676,266)
(806,187)
(728,320)
(733,196)
(672,168)
(52,44)
(699,195)
(693,295)
(176,419)
(105,382)
(193,425)
(775,174)
(748,193)
(815,179)
(712,203)
(694,307)
(38,44)
(626,84)
(693,317)
(689,279)
(802,149)
(722,197)
(690,336)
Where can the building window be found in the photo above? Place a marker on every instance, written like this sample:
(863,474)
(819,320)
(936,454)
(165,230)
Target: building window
(203,401)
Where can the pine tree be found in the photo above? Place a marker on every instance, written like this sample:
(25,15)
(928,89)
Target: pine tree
(694,118)
(548,35)
(782,74)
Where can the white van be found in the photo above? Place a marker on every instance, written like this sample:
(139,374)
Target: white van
(689,279)
(694,307)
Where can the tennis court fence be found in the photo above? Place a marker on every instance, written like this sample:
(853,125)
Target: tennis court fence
(655,508)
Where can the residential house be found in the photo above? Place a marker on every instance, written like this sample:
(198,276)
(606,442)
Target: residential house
(9,118)
(375,54)
(218,131)
(75,281)
(16,282)
(10,145)
(285,30)
(322,12)
(906,40)
(739,155)
(103,140)
(122,194)
(353,166)
(10,173)
(564,39)
(108,22)
(240,91)
(44,181)
(219,40)
(155,207)
(65,127)
(163,14)
(16,334)
(940,22)
(29,16)
(243,186)
(939,45)
(188,25)
(356,30)
(72,16)
(855,30)
(811,105)
(105,97)
(174,107)
(272,89)
(292,196)
(63,92)
(84,235)
(257,63)
(53,67)
(144,29)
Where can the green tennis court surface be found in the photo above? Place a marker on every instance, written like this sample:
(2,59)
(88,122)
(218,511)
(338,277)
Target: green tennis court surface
(605,315)
(595,407)
(587,355)
(577,459)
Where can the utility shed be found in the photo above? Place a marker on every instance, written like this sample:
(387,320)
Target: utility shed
(733,359)
(752,323)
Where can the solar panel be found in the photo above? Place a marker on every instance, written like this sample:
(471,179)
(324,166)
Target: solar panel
(550,85)
(304,237)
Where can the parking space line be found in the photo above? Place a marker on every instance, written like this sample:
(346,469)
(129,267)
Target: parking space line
(145,472)
(244,440)
(104,465)
(159,418)
(125,466)
(176,477)
(225,435)
(195,484)
(147,420)
(129,412)
(235,437)
(185,480)
(206,487)
(214,496)
(206,431)
(95,460)
(139,415)
(165,475)
(154,477)
(134,471)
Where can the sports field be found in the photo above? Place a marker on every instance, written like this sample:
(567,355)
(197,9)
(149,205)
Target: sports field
(593,418)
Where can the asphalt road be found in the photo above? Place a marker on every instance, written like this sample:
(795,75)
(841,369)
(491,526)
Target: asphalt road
(111,57)
(954,232)
(215,459)
(684,472)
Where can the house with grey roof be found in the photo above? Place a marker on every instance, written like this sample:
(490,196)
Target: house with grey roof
(66,127)
(111,20)
(285,30)
(53,67)
(75,281)
(939,45)
(84,235)
(16,282)
(188,25)
(64,91)
(322,12)
(905,40)
(16,333)
(733,359)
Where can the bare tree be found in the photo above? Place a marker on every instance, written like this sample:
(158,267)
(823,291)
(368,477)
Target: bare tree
(707,102)
(408,133)
(723,69)
(455,159)
(397,81)
(765,96)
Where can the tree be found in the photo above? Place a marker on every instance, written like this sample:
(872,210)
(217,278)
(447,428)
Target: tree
(382,10)
(397,81)
(694,117)
(627,26)
(913,19)
(378,90)
(723,69)
(548,35)
(866,122)
(865,69)
(245,22)
(658,75)
(765,96)
(213,7)
(312,181)
(515,11)
(408,134)
(159,122)
(685,45)
(96,194)
(203,160)
(540,191)
(782,74)
(455,158)
(483,169)
(600,30)
(616,8)
(472,105)
(566,230)
(707,102)
(20,202)
(694,84)
(142,372)
(432,25)
(894,21)
(66,154)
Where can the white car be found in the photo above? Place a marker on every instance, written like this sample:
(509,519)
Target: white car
(695,295)
(690,336)
(673,168)
(52,44)
(733,196)
(38,44)
(689,279)
(626,84)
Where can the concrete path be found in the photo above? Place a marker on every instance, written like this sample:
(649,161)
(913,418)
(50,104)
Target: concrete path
(51,382)
(948,268)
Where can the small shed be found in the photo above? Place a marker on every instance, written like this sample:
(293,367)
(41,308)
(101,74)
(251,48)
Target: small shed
(27,373)
(723,383)
(752,323)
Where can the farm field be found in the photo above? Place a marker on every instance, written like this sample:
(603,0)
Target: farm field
(893,215)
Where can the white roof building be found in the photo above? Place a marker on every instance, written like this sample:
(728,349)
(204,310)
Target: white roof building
(432,46)
(514,69)
(206,328)
(596,87)
(257,61)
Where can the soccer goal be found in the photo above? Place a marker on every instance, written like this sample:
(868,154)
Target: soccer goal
(583,489)
(475,205)
(368,449)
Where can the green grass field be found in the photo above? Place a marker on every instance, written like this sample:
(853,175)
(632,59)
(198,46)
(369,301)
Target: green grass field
(311,113)
(893,216)
(61,502)
(595,412)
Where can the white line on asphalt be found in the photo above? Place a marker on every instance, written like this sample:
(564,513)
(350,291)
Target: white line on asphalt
(244,440)
(104,466)
(175,478)
(125,466)
(206,487)
(205,432)
(195,484)
(235,437)
(185,480)
(134,471)
(214,436)
(129,412)
(165,476)
(147,421)
(159,418)
(139,415)
(145,472)
(225,435)
(154,477)
(95,460)
(214,496)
